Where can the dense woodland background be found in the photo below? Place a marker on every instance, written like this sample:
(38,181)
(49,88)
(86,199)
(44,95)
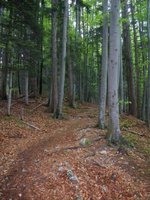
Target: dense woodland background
(70,50)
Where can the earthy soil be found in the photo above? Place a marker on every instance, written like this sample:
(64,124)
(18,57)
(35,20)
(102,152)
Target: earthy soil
(42,158)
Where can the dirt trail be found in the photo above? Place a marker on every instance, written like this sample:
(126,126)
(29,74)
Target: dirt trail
(41,162)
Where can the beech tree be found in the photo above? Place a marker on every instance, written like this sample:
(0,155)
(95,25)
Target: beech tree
(148,106)
(58,113)
(103,78)
(114,45)
(128,59)
(54,87)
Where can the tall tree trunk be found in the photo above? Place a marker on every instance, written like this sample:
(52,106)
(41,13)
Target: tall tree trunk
(26,87)
(70,77)
(128,65)
(103,79)
(9,92)
(144,56)
(4,73)
(114,133)
(148,102)
(63,62)
(41,46)
(121,83)
(136,57)
(54,87)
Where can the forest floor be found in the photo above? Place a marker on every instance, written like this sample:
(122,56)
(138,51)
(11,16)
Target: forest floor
(42,158)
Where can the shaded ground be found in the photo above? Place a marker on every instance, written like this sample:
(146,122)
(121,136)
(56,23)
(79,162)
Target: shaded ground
(47,161)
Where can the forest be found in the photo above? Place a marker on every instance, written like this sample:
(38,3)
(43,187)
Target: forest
(75,99)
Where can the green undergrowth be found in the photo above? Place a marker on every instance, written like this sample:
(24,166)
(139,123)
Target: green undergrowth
(123,143)
(14,119)
(142,144)
(127,123)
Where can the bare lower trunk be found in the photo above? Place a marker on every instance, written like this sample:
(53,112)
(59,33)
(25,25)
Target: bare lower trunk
(26,88)
(136,57)
(103,81)
(148,102)
(71,81)
(63,63)
(54,87)
(128,64)
(113,123)
(121,88)
(9,86)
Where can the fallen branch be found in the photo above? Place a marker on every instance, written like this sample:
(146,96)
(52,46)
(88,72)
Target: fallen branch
(37,107)
(73,147)
(32,126)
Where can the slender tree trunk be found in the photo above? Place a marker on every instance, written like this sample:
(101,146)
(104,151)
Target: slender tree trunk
(143,46)
(41,46)
(136,57)
(54,87)
(128,65)
(4,73)
(148,102)
(121,84)
(114,133)
(63,62)
(103,80)
(9,92)
(26,87)
(70,77)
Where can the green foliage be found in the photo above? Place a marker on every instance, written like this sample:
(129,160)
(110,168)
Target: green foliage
(125,102)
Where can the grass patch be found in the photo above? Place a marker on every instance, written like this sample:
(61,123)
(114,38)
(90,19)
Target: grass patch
(127,123)
(141,143)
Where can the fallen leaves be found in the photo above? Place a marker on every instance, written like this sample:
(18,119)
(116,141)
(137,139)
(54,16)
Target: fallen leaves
(51,164)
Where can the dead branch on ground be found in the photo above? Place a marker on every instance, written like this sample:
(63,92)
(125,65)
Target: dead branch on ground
(37,106)
(30,125)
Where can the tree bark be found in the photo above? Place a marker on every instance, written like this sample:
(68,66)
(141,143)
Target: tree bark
(148,102)
(114,133)
(54,87)
(63,62)
(70,78)
(136,58)
(103,79)
(9,92)
(26,87)
(127,58)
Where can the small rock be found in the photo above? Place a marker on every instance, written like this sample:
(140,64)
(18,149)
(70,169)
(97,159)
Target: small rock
(103,152)
(61,169)
(20,195)
(72,177)
(24,170)
(78,197)
(85,142)
(104,188)
(113,176)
